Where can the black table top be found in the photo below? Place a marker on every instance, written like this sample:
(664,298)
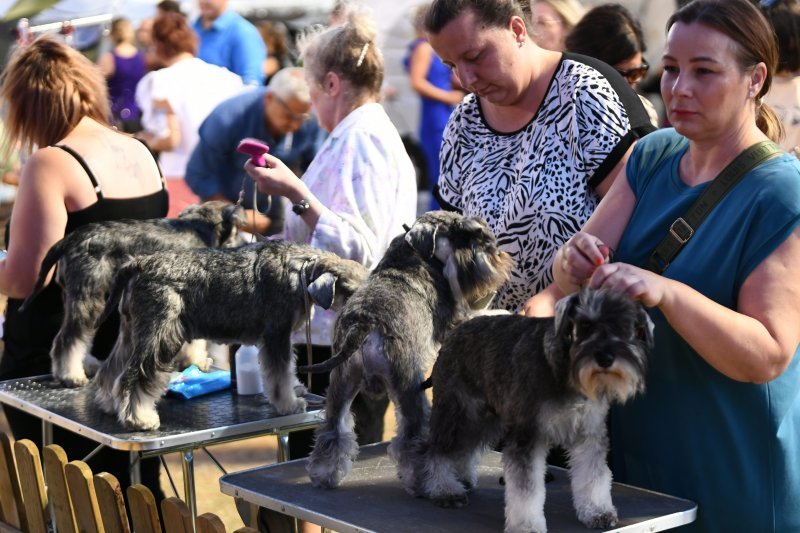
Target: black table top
(194,423)
(372,499)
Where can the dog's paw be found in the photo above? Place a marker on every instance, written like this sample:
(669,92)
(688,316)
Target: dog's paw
(290,407)
(143,420)
(451,501)
(602,520)
(73,380)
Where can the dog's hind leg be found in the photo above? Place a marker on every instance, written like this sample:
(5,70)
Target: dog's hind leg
(590,476)
(524,467)
(278,371)
(457,435)
(335,445)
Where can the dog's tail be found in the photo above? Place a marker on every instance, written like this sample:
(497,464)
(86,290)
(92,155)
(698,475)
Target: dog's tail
(354,338)
(121,280)
(427,384)
(50,259)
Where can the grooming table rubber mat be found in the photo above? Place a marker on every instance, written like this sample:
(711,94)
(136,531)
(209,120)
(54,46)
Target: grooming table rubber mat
(210,419)
(371,499)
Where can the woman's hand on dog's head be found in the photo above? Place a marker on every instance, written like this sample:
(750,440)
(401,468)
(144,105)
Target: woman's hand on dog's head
(581,255)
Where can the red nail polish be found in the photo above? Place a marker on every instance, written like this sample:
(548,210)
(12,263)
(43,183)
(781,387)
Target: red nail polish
(598,262)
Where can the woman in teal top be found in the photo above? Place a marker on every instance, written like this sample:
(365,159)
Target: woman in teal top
(719,421)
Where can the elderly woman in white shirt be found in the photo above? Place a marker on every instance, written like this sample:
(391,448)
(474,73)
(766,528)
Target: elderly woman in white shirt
(361,187)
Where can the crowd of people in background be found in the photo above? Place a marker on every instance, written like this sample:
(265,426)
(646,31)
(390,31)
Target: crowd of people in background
(575,128)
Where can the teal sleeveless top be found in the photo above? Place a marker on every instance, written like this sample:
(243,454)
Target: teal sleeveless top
(734,448)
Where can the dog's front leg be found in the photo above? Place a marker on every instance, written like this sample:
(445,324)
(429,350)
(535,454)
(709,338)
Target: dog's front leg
(278,372)
(524,467)
(590,478)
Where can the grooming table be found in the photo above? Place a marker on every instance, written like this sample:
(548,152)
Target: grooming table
(371,499)
(186,425)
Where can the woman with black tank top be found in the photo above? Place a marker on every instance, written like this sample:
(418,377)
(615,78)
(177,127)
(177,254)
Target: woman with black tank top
(80,170)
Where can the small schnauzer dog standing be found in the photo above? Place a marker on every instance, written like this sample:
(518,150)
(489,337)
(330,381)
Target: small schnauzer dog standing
(255,294)
(535,383)
(88,258)
(388,333)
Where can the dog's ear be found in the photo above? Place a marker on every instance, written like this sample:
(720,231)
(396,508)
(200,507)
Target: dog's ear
(323,290)
(234,214)
(564,311)
(644,328)
(421,236)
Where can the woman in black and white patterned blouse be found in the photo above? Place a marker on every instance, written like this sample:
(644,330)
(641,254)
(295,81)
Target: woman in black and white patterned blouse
(537,143)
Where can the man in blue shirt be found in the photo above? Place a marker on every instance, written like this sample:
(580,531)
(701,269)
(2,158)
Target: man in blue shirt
(279,116)
(231,41)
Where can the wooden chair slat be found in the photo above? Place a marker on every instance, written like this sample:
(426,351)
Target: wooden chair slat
(144,512)
(82,493)
(210,523)
(31,482)
(176,514)
(111,503)
(55,459)
(11,514)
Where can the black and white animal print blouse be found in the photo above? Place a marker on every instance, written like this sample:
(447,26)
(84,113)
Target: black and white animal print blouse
(535,187)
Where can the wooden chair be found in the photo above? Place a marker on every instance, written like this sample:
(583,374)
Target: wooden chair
(11,515)
(82,501)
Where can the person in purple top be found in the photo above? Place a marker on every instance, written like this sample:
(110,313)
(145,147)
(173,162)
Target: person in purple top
(123,66)
(231,41)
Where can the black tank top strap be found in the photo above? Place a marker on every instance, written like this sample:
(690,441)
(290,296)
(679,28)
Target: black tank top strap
(86,168)
(160,174)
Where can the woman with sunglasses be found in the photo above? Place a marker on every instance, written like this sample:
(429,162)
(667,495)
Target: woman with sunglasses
(610,33)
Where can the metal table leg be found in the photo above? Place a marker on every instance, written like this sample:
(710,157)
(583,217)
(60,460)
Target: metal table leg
(189,493)
(283,447)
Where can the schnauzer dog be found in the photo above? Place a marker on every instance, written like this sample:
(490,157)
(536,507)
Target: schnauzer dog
(89,257)
(535,383)
(256,294)
(428,280)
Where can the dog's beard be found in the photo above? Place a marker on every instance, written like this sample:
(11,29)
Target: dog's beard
(618,382)
(474,276)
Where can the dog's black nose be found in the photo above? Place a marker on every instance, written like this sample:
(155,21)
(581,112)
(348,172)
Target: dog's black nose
(604,360)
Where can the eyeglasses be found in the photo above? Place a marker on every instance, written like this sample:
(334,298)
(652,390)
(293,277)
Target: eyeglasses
(293,116)
(635,74)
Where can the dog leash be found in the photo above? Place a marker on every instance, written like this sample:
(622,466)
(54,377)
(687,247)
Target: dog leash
(307,301)
(686,226)
(255,235)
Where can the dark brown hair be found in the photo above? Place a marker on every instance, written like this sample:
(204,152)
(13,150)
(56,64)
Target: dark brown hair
(784,15)
(608,32)
(746,26)
(47,88)
(494,13)
(172,35)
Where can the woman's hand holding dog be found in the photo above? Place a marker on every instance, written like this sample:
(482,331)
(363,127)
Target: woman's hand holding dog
(584,261)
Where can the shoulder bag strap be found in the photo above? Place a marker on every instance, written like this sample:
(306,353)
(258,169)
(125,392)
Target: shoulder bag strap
(684,227)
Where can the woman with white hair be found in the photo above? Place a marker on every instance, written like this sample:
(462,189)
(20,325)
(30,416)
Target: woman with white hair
(360,188)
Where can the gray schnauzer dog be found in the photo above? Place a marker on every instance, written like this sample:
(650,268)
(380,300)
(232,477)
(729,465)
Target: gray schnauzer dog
(88,258)
(255,294)
(535,383)
(428,280)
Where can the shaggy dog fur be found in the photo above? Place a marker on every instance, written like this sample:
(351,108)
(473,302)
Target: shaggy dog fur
(535,383)
(256,294)
(388,333)
(88,258)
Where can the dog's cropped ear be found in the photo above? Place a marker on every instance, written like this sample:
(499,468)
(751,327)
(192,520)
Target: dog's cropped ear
(644,328)
(323,290)
(421,236)
(564,311)
(234,214)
